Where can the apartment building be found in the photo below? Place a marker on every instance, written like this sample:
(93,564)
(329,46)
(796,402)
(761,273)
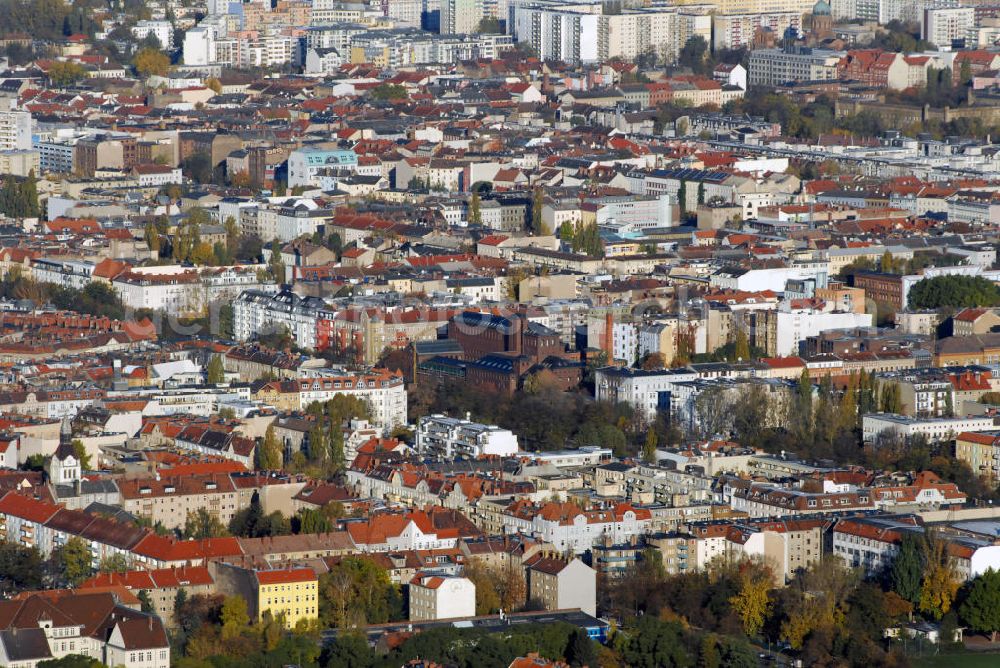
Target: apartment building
(981,451)
(871,543)
(171,500)
(646,391)
(160,585)
(561,584)
(177,291)
(290,594)
(381,389)
(305,163)
(677,551)
(435,595)
(945,26)
(448,437)
(766,500)
(933,428)
(567,527)
(773,67)
(256,311)
(586,33)
(15,130)
(460,16)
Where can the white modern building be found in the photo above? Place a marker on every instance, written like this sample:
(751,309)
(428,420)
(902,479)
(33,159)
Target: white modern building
(15,130)
(943,26)
(449,437)
(585,33)
(646,391)
(304,163)
(460,16)
(772,67)
(163,31)
(874,425)
(794,325)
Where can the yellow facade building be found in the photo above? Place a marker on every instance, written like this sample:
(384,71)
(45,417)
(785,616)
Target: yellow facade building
(289,593)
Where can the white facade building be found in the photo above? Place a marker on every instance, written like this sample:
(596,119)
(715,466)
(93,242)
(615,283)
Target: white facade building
(256,312)
(772,67)
(382,390)
(450,437)
(441,596)
(646,391)
(795,325)
(935,429)
(15,130)
(163,31)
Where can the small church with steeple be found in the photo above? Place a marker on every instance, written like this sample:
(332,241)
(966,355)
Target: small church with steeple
(64,467)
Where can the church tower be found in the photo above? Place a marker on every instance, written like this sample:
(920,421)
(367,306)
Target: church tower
(64,467)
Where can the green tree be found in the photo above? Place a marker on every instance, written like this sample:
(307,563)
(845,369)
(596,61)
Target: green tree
(81,455)
(387,91)
(848,408)
(19,197)
(234,617)
(203,524)
(275,266)
(886,264)
(180,601)
(489,25)
(804,405)
(198,167)
(73,561)
(64,73)
(953,291)
(355,592)
(145,602)
(215,371)
(270,455)
(71,661)
(649,447)
(742,351)
(581,651)
(312,520)
(981,608)
(475,214)
(349,649)
(694,54)
(21,568)
(537,202)
(907,568)
(567,232)
(336,449)
(116,563)
(655,644)
(152,237)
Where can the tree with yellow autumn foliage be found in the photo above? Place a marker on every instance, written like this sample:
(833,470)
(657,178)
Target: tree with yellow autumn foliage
(150,61)
(752,602)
